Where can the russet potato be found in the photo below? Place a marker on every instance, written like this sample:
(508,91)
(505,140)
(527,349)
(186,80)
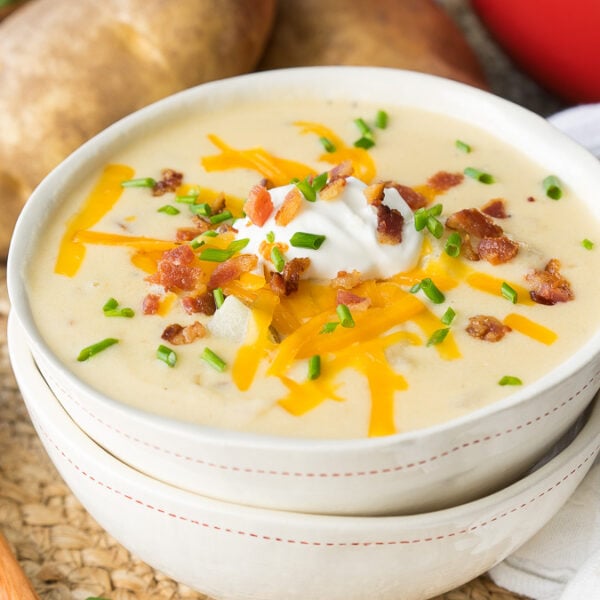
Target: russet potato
(407,34)
(68,69)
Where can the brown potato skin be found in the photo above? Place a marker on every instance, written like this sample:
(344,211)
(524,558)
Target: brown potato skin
(68,69)
(407,34)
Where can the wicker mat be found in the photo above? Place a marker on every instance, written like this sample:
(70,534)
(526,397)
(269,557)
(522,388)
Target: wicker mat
(64,552)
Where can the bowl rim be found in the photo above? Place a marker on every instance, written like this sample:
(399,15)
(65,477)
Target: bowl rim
(441,91)
(586,440)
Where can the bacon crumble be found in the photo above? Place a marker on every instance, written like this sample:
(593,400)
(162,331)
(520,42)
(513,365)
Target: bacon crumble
(497,250)
(549,286)
(177,334)
(413,198)
(170,180)
(442,181)
(259,206)
(231,269)
(289,208)
(287,282)
(389,225)
(496,208)
(346,280)
(177,269)
(353,301)
(487,328)
(200,303)
(150,304)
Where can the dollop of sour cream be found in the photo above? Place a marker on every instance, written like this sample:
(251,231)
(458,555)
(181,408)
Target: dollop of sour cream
(349,225)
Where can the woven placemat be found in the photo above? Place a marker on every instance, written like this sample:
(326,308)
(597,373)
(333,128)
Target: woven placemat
(63,551)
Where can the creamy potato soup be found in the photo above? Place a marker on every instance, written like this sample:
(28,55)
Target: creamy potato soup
(316,269)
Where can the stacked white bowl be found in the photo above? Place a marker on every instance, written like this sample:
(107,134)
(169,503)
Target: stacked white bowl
(236,515)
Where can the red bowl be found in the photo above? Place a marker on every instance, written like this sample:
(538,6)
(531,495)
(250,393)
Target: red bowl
(555,41)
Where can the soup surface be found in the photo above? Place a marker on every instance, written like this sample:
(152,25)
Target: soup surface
(316,269)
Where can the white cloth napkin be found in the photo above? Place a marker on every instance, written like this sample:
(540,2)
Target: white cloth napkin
(562,562)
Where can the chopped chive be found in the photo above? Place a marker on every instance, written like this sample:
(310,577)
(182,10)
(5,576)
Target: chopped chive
(197,242)
(213,359)
(111,309)
(438,336)
(277,259)
(415,288)
(220,217)
(202,208)
(435,227)
(210,233)
(329,327)
(110,304)
(552,187)
(426,217)
(587,244)
(90,351)
(453,244)
(140,182)
(167,355)
(215,255)
(219,297)
(345,315)
(509,293)
(327,144)
(364,142)
(448,316)
(431,291)
(238,245)
(168,209)
(300,239)
(187,198)
(463,146)
(480,176)
(510,380)
(319,181)
(364,129)
(381,119)
(270,237)
(307,190)
(314,366)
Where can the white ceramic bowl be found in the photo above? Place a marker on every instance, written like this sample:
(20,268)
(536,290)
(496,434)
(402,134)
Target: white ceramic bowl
(413,472)
(232,552)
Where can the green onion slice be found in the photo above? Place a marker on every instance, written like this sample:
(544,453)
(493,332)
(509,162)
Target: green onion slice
(327,144)
(463,146)
(438,336)
(345,315)
(509,293)
(220,217)
(187,198)
(448,316)
(587,244)
(270,237)
(510,380)
(167,355)
(202,208)
(426,217)
(277,259)
(300,239)
(319,182)
(381,119)
(364,142)
(219,297)
(111,309)
(238,245)
(314,367)
(197,242)
(480,176)
(431,291)
(307,190)
(329,327)
(364,129)
(552,187)
(215,255)
(213,359)
(435,227)
(168,209)
(139,182)
(210,233)
(90,351)
(453,244)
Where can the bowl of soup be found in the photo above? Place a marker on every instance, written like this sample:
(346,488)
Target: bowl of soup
(230,551)
(335,290)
